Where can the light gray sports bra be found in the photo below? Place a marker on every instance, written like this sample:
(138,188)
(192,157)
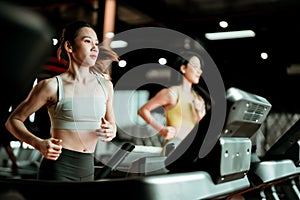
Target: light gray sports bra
(78,113)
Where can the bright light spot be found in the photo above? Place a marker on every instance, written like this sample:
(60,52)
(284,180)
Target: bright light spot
(54,41)
(122,63)
(35,82)
(187,43)
(162,61)
(32,117)
(264,55)
(230,35)
(159,74)
(109,35)
(15,144)
(223,24)
(118,44)
(27,146)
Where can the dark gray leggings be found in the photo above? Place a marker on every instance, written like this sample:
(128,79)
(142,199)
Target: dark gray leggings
(70,166)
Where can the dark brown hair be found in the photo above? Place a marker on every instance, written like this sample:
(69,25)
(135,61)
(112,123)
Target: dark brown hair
(69,34)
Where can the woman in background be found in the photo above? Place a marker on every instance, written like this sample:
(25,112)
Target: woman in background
(183,107)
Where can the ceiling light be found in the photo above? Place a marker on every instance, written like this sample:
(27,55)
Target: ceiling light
(118,44)
(223,24)
(109,35)
(162,61)
(54,41)
(264,55)
(122,63)
(230,35)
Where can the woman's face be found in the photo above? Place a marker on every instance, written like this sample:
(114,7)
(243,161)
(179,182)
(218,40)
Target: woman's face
(85,49)
(193,70)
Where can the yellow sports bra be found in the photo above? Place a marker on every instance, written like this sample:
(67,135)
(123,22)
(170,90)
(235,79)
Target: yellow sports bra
(183,114)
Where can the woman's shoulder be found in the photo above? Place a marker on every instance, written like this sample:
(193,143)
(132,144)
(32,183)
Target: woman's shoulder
(174,89)
(49,81)
(102,78)
(48,84)
(170,92)
(108,84)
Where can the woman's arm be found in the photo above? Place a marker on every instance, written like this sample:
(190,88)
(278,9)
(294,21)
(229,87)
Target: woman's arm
(200,108)
(108,124)
(38,96)
(164,98)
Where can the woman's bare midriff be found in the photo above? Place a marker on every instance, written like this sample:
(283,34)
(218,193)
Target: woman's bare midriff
(77,140)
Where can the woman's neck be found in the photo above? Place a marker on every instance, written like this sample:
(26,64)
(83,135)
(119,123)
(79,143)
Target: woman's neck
(186,85)
(79,74)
